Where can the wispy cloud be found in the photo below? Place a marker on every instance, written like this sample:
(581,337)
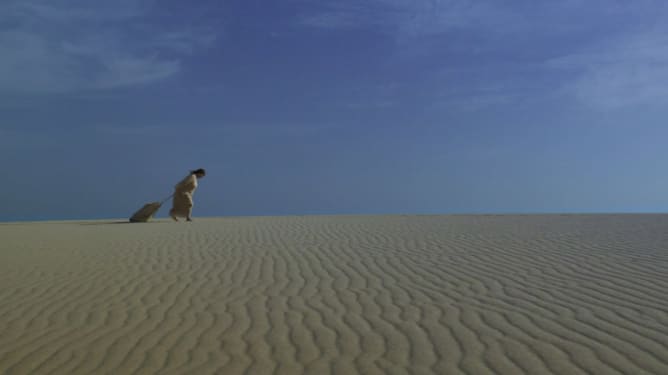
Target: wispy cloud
(338,17)
(68,45)
(604,54)
(427,17)
(478,98)
(185,41)
(622,72)
(408,17)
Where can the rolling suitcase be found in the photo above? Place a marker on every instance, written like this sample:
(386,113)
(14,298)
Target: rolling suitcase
(145,213)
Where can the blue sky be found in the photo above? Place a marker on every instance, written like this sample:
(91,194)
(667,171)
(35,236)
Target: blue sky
(333,107)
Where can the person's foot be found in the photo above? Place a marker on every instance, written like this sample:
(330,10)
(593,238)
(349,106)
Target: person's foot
(173,217)
(189,219)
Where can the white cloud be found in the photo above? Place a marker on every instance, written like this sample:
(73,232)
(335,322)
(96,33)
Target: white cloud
(434,17)
(411,17)
(630,71)
(333,20)
(133,71)
(69,45)
(30,62)
(72,10)
(184,41)
(610,56)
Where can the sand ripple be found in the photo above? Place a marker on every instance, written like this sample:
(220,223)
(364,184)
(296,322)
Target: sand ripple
(552,294)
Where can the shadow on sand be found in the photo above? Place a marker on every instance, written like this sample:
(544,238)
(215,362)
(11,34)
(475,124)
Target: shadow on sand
(124,222)
(106,222)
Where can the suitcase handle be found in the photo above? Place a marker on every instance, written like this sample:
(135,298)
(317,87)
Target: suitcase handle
(166,199)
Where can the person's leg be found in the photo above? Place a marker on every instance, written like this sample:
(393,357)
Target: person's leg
(190,208)
(173,212)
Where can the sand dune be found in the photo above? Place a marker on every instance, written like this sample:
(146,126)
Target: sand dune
(532,294)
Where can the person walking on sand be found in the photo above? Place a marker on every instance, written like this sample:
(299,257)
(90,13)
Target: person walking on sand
(182,202)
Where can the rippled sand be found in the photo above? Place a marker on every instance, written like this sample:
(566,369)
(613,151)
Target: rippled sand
(564,294)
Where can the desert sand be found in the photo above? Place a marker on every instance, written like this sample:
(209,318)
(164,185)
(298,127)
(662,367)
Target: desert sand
(459,294)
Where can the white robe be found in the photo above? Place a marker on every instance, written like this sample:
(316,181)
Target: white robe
(182,202)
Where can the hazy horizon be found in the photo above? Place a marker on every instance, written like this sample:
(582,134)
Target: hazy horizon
(333,107)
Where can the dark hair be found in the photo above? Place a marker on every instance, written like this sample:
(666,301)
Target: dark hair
(198,171)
